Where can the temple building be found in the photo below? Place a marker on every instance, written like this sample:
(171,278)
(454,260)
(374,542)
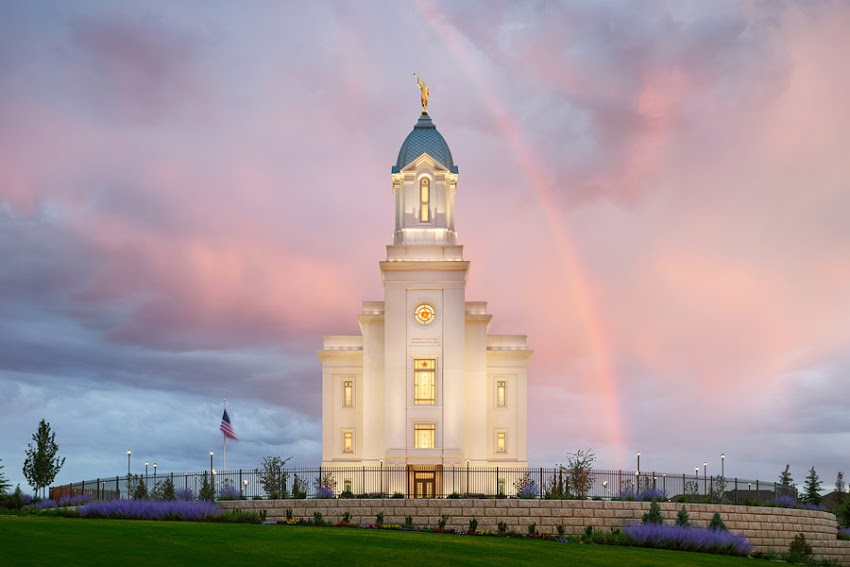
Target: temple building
(423,389)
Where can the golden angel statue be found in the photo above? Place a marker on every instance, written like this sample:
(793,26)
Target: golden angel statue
(424,91)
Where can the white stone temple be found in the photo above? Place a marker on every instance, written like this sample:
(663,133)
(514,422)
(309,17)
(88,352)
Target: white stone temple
(423,388)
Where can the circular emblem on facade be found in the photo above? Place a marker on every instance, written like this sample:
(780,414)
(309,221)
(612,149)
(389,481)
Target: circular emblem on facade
(424,313)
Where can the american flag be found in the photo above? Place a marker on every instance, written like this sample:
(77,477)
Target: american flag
(226,428)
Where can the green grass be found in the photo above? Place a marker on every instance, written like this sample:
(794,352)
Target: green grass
(31,540)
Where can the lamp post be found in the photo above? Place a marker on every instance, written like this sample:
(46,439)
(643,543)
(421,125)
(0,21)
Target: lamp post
(154,473)
(211,464)
(638,463)
(146,472)
(605,486)
(129,452)
(244,487)
(382,477)
(467,476)
(705,477)
(723,465)
(696,480)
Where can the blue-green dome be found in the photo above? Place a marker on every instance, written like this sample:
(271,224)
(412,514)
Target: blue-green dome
(424,139)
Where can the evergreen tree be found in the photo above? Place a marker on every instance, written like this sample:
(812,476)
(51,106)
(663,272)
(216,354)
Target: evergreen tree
(785,477)
(839,482)
(716,524)
(654,515)
(811,490)
(4,484)
(682,518)
(168,490)
(141,490)
(207,491)
(42,465)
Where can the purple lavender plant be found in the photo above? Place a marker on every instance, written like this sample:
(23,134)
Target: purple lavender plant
(229,492)
(811,506)
(688,539)
(77,500)
(184,494)
(324,492)
(844,534)
(44,504)
(150,510)
(527,492)
(649,494)
(785,501)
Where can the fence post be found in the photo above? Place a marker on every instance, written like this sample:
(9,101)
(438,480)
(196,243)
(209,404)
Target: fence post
(736,490)
(758,496)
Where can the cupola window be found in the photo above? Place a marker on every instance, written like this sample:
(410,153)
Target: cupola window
(425,200)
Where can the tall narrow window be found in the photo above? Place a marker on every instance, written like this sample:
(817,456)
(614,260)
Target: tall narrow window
(348,393)
(346,485)
(348,441)
(425,200)
(501,386)
(501,442)
(424,436)
(501,487)
(424,382)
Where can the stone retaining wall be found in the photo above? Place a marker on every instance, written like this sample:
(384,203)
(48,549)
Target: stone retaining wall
(767,529)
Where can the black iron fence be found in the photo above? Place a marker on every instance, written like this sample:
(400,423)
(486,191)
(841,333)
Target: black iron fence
(441,482)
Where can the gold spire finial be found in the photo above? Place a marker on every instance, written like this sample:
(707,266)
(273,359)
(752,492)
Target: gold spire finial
(425,92)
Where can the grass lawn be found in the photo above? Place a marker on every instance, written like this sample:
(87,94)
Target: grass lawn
(29,540)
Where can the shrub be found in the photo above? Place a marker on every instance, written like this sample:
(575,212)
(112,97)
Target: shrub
(473,525)
(654,515)
(317,519)
(785,501)
(528,491)
(397,495)
(649,494)
(688,539)
(682,518)
(184,494)
(346,494)
(454,496)
(532,528)
(716,524)
(843,514)
(443,521)
(299,487)
(229,492)
(844,534)
(799,550)
(324,493)
(502,527)
(408,522)
(379,519)
(561,530)
(289,513)
(149,510)
(346,517)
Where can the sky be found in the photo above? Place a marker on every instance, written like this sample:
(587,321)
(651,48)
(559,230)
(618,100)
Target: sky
(656,193)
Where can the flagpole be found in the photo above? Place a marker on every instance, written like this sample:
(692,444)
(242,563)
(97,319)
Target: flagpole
(225,438)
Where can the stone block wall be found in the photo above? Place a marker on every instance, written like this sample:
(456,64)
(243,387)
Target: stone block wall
(767,529)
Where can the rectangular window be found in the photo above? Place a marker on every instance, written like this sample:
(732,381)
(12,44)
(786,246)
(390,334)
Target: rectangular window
(348,393)
(501,442)
(348,441)
(424,382)
(501,489)
(424,436)
(424,200)
(346,485)
(501,386)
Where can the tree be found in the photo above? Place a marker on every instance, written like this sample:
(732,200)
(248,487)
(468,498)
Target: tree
(141,490)
(716,524)
(273,476)
(839,482)
(207,491)
(4,484)
(42,465)
(811,489)
(580,471)
(683,520)
(785,477)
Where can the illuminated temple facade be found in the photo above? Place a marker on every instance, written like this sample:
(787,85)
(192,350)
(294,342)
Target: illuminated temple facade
(423,391)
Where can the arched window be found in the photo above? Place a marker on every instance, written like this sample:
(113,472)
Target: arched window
(425,200)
